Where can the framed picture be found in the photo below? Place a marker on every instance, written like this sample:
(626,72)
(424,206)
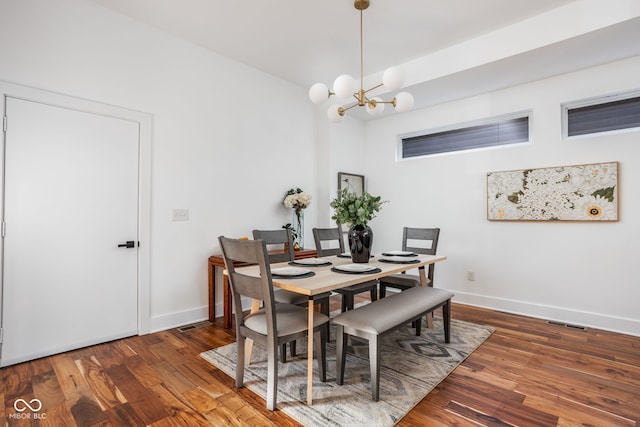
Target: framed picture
(563,193)
(354,183)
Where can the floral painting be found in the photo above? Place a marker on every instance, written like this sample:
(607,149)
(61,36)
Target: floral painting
(565,193)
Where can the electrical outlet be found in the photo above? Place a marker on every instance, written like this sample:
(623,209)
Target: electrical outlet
(180,215)
(471,276)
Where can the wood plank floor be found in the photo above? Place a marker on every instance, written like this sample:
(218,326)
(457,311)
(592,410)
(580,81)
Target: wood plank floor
(528,373)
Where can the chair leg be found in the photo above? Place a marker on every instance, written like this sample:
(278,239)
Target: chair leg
(283,353)
(292,348)
(324,306)
(383,290)
(374,294)
(324,309)
(350,301)
(341,353)
(240,362)
(272,376)
(374,360)
(320,349)
(418,325)
(446,319)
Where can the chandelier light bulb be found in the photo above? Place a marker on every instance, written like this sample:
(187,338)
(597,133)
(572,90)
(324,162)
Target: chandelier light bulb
(375,107)
(318,93)
(344,86)
(403,102)
(333,114)
(393,78)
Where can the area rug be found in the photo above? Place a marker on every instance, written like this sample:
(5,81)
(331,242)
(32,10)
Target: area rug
(411,367)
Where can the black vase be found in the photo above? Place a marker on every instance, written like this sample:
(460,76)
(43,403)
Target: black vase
(360,243)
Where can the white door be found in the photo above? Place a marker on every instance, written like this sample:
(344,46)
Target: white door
(70,197)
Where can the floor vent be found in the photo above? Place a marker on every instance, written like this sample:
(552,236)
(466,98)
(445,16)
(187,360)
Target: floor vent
(194,326)
(567,325)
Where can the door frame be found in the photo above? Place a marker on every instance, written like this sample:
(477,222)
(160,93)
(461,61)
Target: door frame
(144,121)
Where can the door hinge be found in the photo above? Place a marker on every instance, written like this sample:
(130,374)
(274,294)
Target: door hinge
(4,228)
(0,335)
(4,124)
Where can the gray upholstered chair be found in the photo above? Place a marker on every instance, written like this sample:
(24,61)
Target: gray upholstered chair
(273,325)
(404,281)
(284,252)
(334,235)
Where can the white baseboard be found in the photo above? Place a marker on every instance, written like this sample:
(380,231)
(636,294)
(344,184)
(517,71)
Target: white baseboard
(557,314)
(181,318)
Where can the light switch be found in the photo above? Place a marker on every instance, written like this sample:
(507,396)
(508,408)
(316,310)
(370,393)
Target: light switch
(180,215)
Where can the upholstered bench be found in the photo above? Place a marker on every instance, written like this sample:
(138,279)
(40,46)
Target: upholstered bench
(380,317)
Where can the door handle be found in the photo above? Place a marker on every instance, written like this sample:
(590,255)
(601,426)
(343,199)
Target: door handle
(127,244)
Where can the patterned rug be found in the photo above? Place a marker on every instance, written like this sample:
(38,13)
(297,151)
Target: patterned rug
(411,367)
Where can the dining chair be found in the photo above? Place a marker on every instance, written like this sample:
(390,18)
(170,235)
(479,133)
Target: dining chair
(283,240)
(273,325)
(334,235)
(405,281)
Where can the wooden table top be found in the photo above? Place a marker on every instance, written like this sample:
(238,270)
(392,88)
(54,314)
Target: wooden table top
(326,280)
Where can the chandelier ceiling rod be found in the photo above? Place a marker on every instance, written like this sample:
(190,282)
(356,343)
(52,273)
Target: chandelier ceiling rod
(345,86)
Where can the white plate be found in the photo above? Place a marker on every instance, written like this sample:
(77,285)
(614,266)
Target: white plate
(398,253)
(399,259)
(355,268)
(311,261)
(290,271)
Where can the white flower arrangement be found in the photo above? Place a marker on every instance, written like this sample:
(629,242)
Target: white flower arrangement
(297,199)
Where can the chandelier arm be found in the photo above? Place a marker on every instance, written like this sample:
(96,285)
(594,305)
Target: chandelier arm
(349,107)
(375,87)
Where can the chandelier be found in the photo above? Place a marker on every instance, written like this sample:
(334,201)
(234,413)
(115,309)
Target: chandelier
(346,86)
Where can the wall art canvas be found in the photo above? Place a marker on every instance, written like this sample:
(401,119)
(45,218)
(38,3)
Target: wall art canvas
(354,183)
(564,193)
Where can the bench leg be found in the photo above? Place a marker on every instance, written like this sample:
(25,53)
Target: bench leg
(446,319)
(341,353)
(374,361)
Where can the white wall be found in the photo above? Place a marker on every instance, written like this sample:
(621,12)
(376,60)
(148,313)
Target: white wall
(582,273)
(222,147)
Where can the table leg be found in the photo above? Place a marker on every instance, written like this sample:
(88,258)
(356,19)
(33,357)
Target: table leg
(226,301)
(423,282)
(212,293)
(310,354)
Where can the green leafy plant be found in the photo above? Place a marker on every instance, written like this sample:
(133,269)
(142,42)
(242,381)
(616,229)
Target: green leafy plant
(355,210)
(288,226)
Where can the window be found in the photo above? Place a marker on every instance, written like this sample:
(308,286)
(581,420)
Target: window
(492,132)
(604,114)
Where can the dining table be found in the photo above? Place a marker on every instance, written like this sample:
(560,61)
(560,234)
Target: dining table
(334,272)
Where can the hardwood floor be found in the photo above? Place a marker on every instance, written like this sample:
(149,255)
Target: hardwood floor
(528,373)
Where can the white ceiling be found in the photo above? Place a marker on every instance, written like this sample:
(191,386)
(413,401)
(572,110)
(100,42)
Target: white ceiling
(306,41)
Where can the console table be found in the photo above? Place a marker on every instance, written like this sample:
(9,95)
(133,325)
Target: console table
(216,267)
